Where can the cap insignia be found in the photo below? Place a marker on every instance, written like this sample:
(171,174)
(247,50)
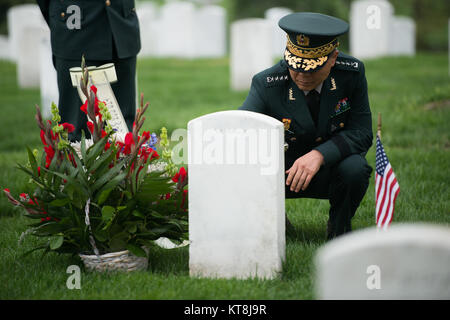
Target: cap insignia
(302,40)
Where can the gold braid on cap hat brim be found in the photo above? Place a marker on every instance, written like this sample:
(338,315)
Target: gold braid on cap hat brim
(304,64)
(312,53)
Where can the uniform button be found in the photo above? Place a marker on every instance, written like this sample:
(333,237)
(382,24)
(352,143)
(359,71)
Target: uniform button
(108,3)
(341,124)
(134,9)
(63,14)
(319,139)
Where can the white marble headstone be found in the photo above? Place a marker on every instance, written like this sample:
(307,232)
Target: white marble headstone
(273,15)
(236,195)
(5,48)
(251,50)
(403,36)
(410,261)
(28,56)
(147,15)
(210,32)
(20,17)
(48,79)
(175,30)
(370,25)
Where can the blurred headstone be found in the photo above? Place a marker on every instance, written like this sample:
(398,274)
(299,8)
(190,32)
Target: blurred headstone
(403,36)
(410,261)
(370,25)
(48,79)
(210,32)
(251,50)
(273,15)
(147,15)
(5,48)
(28,56)
(175,30)
(20,17)
(236,195)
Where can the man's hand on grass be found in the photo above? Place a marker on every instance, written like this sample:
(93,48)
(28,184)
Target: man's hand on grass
(303,170)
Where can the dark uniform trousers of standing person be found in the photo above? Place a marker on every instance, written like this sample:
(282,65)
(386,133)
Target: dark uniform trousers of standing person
(342,134)
(108,31)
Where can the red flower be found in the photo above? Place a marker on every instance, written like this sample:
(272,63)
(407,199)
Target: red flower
(90,126)
(24,197)
(129,141)
(146,135)
(43,138)
(49,153)
(94,89)
(6,190)
(145,152)
(120,146)
(180,176)
(39,171)
(69,127)
(84,107)
(184,198)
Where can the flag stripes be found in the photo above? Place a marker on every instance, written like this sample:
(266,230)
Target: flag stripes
(386,188)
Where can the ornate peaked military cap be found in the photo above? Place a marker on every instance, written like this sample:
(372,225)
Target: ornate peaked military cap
(311,39)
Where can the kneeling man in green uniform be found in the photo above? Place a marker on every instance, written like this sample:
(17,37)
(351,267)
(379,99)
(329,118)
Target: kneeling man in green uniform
(320,94)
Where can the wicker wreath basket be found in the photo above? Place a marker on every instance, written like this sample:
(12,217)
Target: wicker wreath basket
(115,261)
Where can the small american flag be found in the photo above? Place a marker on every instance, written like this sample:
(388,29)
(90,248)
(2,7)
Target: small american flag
(386,188)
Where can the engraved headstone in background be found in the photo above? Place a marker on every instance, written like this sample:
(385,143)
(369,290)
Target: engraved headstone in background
(370,25)
(48,81)
(402,36)
(251,50)
(273,15)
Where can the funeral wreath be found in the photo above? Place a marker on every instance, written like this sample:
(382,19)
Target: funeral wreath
(102,196)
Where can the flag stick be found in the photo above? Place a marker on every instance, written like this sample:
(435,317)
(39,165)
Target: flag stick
(379,125)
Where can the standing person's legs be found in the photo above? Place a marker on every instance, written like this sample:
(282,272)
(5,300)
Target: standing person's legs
(69,101)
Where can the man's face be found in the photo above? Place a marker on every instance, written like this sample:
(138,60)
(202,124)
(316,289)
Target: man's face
(309,80)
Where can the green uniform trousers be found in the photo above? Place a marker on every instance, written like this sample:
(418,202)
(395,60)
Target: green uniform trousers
(345,185)
(70,102)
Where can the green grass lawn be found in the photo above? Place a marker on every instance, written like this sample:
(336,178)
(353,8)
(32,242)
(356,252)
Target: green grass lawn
(412,94)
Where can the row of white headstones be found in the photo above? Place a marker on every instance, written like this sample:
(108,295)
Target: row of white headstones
(237,221)
(183,30)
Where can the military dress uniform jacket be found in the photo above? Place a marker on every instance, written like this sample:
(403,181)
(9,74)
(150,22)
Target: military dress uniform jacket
(100,22)
(344,124)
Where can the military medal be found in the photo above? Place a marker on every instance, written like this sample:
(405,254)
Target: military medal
(287,123)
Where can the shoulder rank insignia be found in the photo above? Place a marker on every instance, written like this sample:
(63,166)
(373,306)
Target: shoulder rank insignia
(274,80)
(347,64)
